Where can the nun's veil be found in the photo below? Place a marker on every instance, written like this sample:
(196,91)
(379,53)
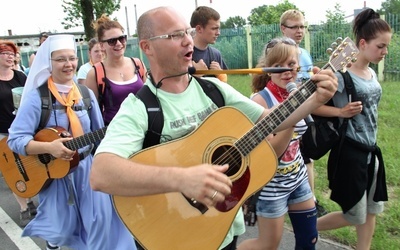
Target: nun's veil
(40,69)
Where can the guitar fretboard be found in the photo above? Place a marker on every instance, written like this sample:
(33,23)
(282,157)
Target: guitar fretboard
(269,123)
(343,54)
(86,139)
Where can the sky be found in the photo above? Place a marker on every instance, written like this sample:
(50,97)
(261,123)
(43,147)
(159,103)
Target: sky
(32,17)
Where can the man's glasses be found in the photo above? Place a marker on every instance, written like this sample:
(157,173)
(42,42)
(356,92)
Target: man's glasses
(113,41)
(177,35)
(65,59)
(7,54)
(296,27)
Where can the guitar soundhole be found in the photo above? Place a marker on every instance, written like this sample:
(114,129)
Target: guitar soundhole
(228,155)
(45,158)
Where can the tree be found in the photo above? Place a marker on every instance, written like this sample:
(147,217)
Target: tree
(269,14)
(85,12)
(233,22)
(390,7)
(335,16)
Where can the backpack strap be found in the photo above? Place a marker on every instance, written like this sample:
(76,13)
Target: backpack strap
(100,74)
(139,67)
(155,114)
(102,84)
(212,91)
(264,93)
(47,100)
(352,95)
(47,105)
(87,101)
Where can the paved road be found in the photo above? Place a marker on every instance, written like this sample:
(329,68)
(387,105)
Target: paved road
(10,231)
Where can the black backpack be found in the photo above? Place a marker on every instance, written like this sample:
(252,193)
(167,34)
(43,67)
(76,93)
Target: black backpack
(326,132)
(48,100)
(154,110)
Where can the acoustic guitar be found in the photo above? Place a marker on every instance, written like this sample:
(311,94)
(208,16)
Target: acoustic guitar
(173,221)
(28,175)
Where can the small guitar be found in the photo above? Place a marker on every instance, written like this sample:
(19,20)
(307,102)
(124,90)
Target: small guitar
(174,221)
(28,175)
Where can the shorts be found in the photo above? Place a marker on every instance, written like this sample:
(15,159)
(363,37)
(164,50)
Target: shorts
(357,215)
(277,208)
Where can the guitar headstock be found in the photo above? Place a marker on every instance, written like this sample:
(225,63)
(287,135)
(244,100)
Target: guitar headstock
(343,52)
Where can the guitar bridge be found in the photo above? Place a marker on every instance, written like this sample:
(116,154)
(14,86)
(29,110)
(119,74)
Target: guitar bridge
(199,206)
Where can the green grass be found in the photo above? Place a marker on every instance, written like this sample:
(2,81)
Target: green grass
(387,231)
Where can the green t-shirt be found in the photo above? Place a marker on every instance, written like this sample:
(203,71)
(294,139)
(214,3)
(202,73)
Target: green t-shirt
(183,113)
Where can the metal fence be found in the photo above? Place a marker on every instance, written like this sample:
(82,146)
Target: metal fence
(241,47)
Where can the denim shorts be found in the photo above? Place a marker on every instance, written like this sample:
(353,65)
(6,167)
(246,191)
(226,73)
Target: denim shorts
(279,207)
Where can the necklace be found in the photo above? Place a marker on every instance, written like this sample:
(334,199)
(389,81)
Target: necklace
(121,75)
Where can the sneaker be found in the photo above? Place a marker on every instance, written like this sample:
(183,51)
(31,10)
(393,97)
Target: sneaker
(49,247)
(321,211)
(24,218)
(32,208)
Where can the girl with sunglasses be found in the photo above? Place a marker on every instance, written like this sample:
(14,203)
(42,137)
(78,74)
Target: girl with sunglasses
(121,73)
(289,190)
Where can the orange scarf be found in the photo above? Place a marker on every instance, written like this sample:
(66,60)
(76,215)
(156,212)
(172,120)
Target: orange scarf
(73,97)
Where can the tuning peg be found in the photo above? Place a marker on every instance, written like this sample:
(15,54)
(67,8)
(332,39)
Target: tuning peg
(329,51)
(339,40)
(334,45)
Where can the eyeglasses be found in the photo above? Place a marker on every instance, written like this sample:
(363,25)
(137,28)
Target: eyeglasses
(113,41)
(64,59)
(7,54)
(296,27)
(177,35)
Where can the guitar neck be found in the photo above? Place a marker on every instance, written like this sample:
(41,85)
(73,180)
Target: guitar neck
(269,123)
(86,139)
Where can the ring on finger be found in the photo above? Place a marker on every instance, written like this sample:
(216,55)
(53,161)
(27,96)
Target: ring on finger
(215,194)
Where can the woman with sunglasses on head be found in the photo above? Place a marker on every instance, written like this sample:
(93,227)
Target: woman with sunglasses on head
(289,190)
(121,73)
(70,213)
(356,169)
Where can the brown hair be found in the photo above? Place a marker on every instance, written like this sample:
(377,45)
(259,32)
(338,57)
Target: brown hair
(92,42)
(202,15)
(367,25)
(275,52)
(6,45)
(105,23)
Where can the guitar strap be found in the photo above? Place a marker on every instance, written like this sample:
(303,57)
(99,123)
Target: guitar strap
(154,110)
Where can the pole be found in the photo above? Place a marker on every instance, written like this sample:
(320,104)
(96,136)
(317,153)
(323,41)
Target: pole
(195,4)
(140,51)
(127,22)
